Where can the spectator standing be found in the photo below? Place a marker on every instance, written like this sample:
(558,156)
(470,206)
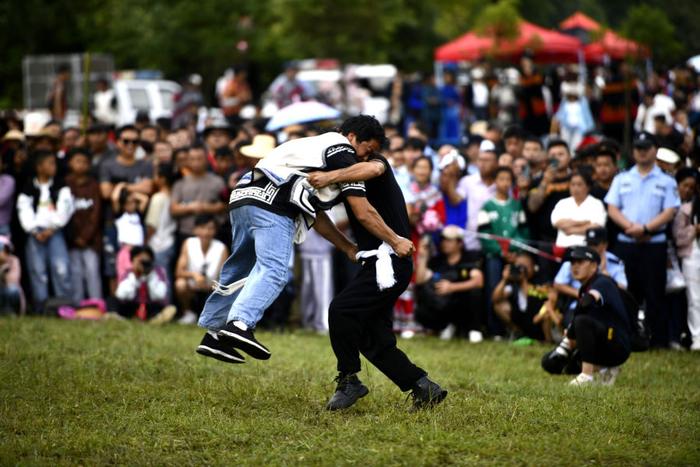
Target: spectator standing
(476,190)
(160,225)
(99,145)
(197,193)
(532,104)
(451,112)
(235,95)
(44,207)
(686,233)
(7,198)
(287,89)
(316,255)
(574,215)
(58,96)
(503,216)
(105,103)
(217,135)
(573,118)
(642,201)
(430,113)
(84,233)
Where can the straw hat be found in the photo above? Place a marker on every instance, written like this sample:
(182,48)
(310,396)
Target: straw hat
(261,147)
(13,135)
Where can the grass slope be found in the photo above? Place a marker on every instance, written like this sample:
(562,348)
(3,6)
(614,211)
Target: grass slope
(125,393)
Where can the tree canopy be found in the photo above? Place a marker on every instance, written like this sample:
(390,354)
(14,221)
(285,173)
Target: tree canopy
(180,36)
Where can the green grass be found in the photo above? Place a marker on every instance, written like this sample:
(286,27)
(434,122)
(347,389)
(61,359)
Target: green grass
(124,393)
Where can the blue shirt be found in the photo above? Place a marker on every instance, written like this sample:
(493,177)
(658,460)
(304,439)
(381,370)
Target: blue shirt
(641,199)
(615,267)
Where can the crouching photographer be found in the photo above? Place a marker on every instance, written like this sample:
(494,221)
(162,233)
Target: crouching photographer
(143,290)
(517,301)
(449,287)
(601,328)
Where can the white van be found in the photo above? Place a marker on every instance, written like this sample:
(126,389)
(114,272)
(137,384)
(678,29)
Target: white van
(154,96)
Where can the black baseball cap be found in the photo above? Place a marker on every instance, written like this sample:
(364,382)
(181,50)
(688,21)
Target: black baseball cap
(596,235)
(578,253)
(645,140)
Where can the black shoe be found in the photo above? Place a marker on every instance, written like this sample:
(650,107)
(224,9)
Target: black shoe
(426,393)
(244,340)
(349,389)
(212,347)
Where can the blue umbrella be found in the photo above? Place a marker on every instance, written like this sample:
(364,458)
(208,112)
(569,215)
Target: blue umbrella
(301,112)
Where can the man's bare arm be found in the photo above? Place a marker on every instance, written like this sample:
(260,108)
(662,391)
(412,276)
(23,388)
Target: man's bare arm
(355,173)
(373,222)
(330,232)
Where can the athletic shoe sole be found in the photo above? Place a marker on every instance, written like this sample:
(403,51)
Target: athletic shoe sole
(217,354)
(248,346)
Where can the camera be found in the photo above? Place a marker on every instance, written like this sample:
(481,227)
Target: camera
(517,272)
(147,266)
(554,163)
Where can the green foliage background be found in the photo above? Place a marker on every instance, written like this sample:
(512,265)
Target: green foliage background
(181,36)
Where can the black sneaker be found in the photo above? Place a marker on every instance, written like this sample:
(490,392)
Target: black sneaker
(244,340)
(212,347)
(426,393)
(349,389)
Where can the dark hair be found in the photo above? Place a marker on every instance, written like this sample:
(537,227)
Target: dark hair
(365,128)
(415,143)
(605,151)
(167,171)
(124,128)
(198,146)
(223,151)
(687,172)
(39,156)
(63,68)
(203,219)
(585,174)
(534,139)
(558,142)
(507,170)
(513,131)
(137,250)
(420,127)
(152,127)
(78,151)
(423,158)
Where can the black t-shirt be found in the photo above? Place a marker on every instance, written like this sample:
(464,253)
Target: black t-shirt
(542,219)
(385,195)
(458,272)
(265,194)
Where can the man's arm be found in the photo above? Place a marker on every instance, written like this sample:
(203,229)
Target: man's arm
(355,173)
(661,220)
(372,221)
(618,218)
(330,232)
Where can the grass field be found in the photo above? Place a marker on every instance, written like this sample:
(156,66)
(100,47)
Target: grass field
(125,393)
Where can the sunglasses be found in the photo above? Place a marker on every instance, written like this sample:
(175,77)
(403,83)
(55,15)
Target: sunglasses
(130,141)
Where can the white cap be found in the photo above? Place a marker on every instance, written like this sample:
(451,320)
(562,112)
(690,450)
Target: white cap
(449,158)
(487,146)
(668,156)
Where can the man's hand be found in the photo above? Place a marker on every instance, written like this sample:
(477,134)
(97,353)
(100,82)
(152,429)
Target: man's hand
(506,273)
(319,180)
(403,247)
(635,231)
(548,175)
(352,253)
(443,287)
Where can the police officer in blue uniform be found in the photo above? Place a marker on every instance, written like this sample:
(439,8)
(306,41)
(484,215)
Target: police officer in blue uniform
(642,201)
(601,328)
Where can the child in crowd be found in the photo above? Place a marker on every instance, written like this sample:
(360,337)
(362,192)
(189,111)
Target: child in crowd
(160,226)
(130,230)
(199,264)
(84,233)
(143,289)
(44,207)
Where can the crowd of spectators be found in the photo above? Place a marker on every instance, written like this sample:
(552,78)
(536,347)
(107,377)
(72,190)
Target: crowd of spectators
(500,174)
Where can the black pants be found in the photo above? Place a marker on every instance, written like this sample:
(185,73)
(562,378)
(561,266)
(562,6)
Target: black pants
(464,310)
(597,343)
(645,267)
(359,319)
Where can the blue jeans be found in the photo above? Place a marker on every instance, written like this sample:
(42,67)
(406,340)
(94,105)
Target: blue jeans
(44,258)
(164,259)
(261,247)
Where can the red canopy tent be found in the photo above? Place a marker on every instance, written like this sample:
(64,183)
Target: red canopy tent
(613,46)
(546,45)
(579,21)
(610,44)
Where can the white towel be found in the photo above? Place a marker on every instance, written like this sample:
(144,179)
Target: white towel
(385,270)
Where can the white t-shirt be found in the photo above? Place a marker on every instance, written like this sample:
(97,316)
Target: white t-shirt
(476,192)
(208,263)
(158,217)
(129,229)
(592,210)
